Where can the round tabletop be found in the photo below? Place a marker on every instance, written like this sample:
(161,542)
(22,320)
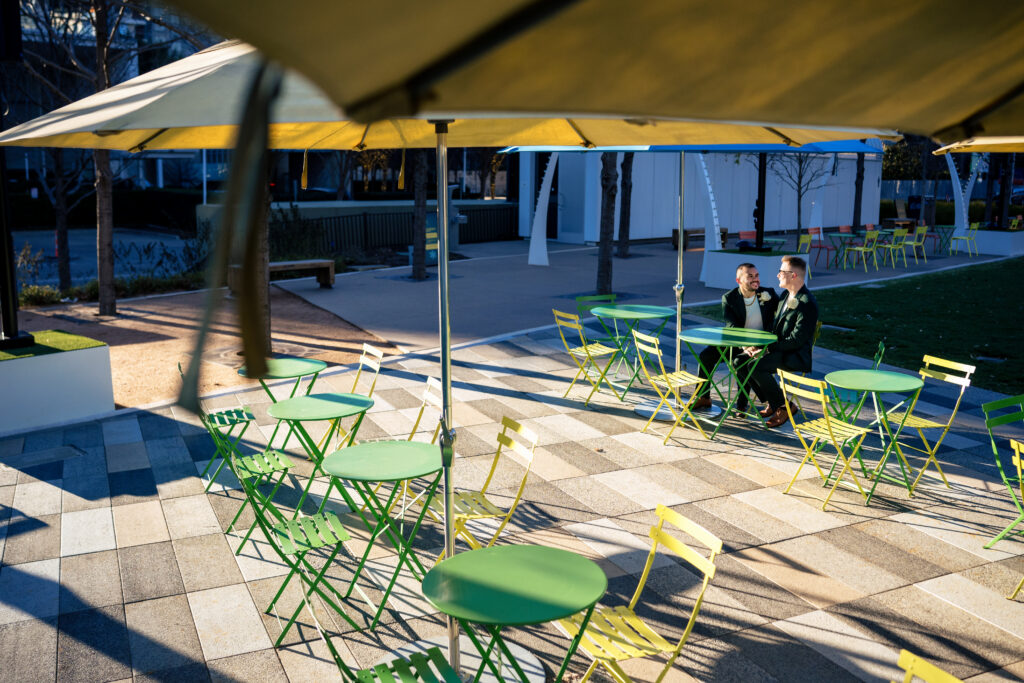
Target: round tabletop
(384,461)
(881,381)
(633,312)
(514,585)
(727,336)
(288,367)
(319,407)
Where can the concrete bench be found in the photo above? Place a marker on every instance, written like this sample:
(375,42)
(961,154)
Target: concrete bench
(692,233)
(322,268)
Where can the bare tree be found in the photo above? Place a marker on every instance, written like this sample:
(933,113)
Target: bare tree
(609,188)
(801,172)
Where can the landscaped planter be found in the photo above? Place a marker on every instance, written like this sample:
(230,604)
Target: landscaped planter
(719,269)
(63,378)
(1001,242)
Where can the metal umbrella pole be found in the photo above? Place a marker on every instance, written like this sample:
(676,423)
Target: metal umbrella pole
(447,433)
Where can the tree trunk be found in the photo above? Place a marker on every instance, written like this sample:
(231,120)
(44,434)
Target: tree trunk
(60,209)
(609,187)
(419,216)
(624,207)
(1006,173)
(858,190)
(263,263)
(104,180)
(104,232)
(762,179)
(994,160)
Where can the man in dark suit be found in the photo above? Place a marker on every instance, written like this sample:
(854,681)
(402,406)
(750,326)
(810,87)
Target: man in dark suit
(748,305)
(794,325)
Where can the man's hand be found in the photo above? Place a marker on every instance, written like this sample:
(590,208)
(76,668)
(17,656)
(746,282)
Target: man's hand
(750,351)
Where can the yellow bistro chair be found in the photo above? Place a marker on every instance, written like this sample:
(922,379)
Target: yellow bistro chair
(369,361)
(923,669)
(862,250)
(821,430)
(667,384)
(968,241)
(895,248)
(1018,460)
(920,235)
(803,244)
(944,371)
(474,505)
(585,355)
(617,634)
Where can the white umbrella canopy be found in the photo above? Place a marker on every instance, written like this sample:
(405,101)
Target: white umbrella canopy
(1003,144)
(949,70)
(196,102)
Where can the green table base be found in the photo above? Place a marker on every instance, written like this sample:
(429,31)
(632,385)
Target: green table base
(632,315)
(723,339)
(386,462)
(875,382)
(514,585)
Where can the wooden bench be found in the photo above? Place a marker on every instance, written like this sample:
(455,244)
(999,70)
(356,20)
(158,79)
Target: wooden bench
(691,233)
(322,268)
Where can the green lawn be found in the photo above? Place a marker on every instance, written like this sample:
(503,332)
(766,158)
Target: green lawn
(50,341)
(959,315)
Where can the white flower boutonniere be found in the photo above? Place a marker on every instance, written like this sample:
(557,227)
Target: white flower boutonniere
(765,297)
(792,302)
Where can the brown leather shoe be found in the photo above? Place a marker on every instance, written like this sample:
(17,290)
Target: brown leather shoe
(778,418)
(766,411)
(702,403)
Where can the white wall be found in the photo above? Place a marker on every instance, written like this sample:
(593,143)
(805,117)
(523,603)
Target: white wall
(655,208)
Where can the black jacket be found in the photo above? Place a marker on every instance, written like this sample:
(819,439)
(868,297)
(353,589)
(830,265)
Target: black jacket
(795,329)
(735,311)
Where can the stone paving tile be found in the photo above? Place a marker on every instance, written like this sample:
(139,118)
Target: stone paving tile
(256,667)
(853,539)
(257,559)
(149,571)
(131,487)
(42,440)
(177,480)
(30,591)
(715,476)
(979,601)
(227,622)
(616,544)
(644,486)
(206,562)
(121,430)
(139,523)
(38,498)
(87,531)
(789,509)
(28,650)
(30,539)
(748,518)
(92,645)
(89,581)
(91,463)
(781,566)
(597,496)
(310,661)
(123,457)
(51,471)
(85,493)
(190,516)
(862,656)
(155,427)
(161,635)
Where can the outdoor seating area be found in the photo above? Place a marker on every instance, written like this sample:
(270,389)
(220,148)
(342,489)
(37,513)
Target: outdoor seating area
(127,553)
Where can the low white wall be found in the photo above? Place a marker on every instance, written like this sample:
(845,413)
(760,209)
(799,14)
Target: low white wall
(719,267)
(999,242)
(57,387)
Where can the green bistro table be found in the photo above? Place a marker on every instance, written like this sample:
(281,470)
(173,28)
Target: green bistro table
(840,240)
(288,367)
(632,315)
(723,339)
(390,462)
(875,383)
(945,233)
(318,407)
(514,585)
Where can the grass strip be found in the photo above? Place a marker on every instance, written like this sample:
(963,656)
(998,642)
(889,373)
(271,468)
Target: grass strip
(51,341)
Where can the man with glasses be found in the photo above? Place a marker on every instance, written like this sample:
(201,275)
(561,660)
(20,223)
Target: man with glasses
(794,325)
(748,305)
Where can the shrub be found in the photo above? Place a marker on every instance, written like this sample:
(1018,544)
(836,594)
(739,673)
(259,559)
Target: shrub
(38,295)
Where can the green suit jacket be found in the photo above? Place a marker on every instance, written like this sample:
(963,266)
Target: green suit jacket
(794,326)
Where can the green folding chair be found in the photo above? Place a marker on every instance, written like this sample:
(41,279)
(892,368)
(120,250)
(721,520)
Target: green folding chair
(259,469)
(292,540)
(998,413)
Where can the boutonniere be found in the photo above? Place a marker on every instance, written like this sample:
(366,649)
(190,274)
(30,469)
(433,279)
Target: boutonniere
(765,297)
(792,302)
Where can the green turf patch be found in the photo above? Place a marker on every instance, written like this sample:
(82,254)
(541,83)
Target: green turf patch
(755,253)
(969,315)
(51,341)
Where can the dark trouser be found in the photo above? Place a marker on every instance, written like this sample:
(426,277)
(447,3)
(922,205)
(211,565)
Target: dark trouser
(762,381)
(709,356)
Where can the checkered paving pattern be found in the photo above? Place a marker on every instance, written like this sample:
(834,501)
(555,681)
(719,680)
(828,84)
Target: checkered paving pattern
(115,564)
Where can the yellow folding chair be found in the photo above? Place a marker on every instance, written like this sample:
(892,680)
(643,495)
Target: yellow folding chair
(1018,460)
(920,235)
(584,355)
(942,370)
(821,430)
(369,361)
(923,669)
(617,634)
(468,506)
(862,250)
(667,384)
(896,247)
(803,244)
(968,241)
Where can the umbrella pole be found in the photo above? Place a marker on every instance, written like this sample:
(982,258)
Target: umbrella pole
(679,287)
(445,351)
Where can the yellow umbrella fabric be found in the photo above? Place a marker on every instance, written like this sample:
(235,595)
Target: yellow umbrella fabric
(196,103)
(947,69)
(993,144)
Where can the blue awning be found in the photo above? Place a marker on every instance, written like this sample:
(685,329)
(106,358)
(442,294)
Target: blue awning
(836,147)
